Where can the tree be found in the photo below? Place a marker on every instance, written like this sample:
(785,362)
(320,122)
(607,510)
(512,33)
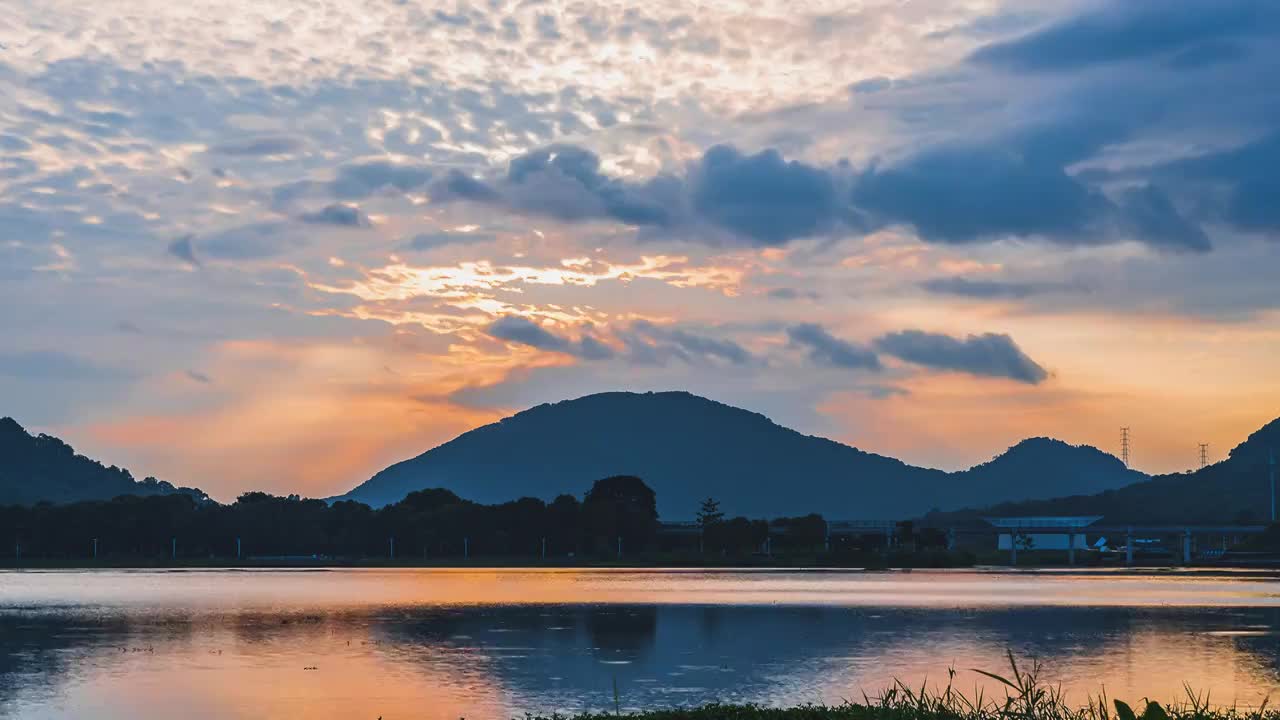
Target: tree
(709,516)
(621,506)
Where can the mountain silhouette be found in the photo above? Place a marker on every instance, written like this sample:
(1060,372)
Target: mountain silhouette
(688,448)
(42,468)
(1235,490)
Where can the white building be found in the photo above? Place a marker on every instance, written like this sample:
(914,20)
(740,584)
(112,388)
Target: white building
(1044,533)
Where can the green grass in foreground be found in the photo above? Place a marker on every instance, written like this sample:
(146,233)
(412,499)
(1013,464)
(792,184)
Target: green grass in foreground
(1025,697)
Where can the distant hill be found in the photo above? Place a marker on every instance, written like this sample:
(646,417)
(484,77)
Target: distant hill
(1235,490)
(35,468)
(688,448)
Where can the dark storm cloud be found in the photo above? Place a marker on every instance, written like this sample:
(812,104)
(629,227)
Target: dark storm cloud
(989,354)
(1126,31)
(337,214)
(826,349)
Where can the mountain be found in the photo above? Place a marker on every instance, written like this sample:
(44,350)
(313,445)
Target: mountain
(1235,490)
(43,468)
(688,448)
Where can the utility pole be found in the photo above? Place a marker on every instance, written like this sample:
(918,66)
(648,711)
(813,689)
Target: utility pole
(619,547)
(237,548)
(544,548)
(1124,446)
(1204,454)
(392,542)
(466,548)
(173,544)
(95,548)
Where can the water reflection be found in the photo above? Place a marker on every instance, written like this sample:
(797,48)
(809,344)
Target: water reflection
(439,645)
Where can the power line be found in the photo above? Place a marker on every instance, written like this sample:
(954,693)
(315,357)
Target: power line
(1204,454)
(1124,446)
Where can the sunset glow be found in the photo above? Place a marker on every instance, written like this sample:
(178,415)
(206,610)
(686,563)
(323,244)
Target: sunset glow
(281,246)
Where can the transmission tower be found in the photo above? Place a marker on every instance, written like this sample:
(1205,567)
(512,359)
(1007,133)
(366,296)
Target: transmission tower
(1124,446)
(1204,454)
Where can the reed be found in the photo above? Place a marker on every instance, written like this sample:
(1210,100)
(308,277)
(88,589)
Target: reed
(1025,697)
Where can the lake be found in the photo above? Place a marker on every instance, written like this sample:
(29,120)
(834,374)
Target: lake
(435,644)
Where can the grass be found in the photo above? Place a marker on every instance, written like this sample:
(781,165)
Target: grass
(1024,697)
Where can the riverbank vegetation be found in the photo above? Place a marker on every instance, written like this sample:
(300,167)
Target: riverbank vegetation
(615,523)
(1022,695)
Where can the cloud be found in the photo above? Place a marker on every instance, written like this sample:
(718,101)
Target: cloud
(871,85)
(362,179)
(55,365)
(565,182)
(259,146)
(1126,31)
(789,293)
(184,249)
(991,289)
(1244,176)
(338,214)
(199,377)
(1155,220)
(970,193)
(254,241)
(989,354)
(516,329)
(763,197)
(440,238)
(456,185)
(826,349)
(651,344)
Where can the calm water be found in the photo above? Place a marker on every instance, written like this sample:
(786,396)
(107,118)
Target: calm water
(489,644)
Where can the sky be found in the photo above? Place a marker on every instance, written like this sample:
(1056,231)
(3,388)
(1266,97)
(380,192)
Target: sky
(280,246)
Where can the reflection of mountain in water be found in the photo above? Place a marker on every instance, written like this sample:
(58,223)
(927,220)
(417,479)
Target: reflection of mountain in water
(568,657)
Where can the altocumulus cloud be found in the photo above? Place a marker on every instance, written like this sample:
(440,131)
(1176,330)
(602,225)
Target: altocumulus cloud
(989,354)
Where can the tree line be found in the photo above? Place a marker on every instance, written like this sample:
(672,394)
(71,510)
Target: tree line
(616,516)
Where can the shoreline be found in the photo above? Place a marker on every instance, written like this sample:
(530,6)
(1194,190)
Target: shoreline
(1243,572)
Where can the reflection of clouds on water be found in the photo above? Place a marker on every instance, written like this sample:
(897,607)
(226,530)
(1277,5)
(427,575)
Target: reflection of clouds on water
(234,662)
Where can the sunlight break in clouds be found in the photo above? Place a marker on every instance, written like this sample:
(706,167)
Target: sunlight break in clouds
(350,230)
